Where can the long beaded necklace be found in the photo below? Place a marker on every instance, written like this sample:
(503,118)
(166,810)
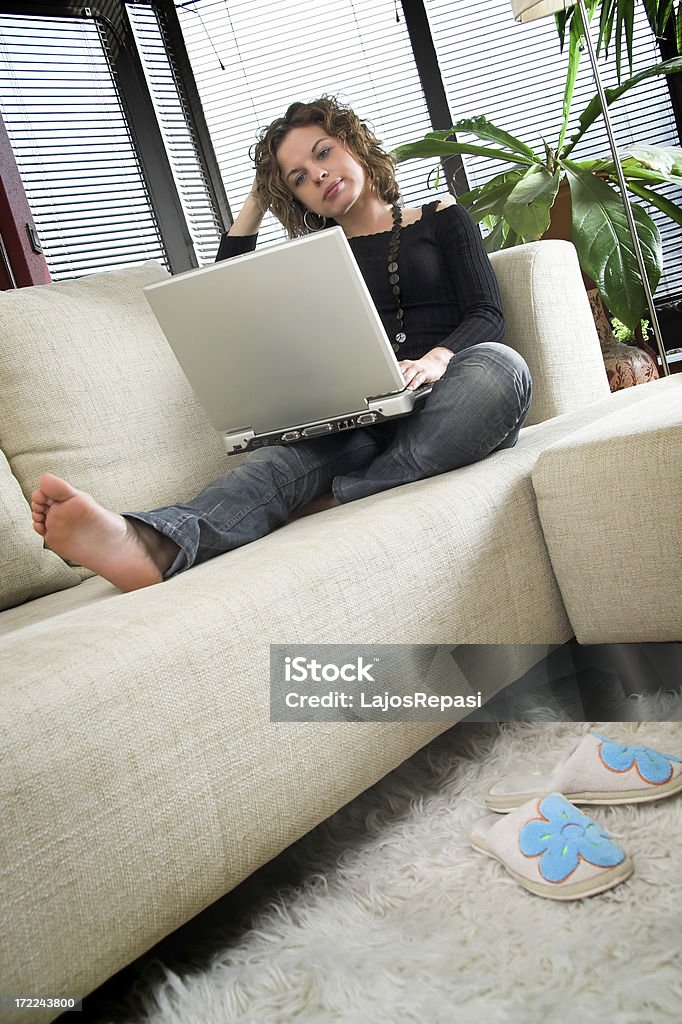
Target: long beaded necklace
(394,276)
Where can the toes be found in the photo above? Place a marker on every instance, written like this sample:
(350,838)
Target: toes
(40,528)
(55,489)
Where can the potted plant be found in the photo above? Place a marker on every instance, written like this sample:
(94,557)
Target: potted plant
(516,205)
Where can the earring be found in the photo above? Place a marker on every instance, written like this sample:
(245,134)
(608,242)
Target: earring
(317,227)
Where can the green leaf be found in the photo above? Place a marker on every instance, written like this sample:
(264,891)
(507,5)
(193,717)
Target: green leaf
(488,200)
(492,184)
(560,19)
(593,109)
(678,28)
(665,9)
(619,38)
(652,8)
(633,169)
(501,237)
(629,19)
(574,55)
(485,129)
(596,166)
(602,237)
(664,159)
(608,9)
(528,207)
(660,202)
(495,239)
(437,148)
(511,239)
(625,16)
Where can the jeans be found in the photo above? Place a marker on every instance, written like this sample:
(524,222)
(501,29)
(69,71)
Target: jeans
(477,407)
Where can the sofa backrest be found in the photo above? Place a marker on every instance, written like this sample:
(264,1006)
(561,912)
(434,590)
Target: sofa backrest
(549,321)
(91,391)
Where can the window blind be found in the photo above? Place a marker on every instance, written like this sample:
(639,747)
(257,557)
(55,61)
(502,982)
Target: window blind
(71,141)
(515,75)
(250,61)
(177,131)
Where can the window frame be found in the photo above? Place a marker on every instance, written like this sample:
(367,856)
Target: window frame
(431,79)
(112,18)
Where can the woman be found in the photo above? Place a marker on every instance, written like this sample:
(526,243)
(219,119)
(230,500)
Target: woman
(434,287)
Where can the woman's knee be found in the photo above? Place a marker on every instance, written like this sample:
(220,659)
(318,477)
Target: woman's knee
(495,363)
(494,357)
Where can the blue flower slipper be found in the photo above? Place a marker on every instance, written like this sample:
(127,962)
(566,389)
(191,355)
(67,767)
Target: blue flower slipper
(552,849)
(598,771)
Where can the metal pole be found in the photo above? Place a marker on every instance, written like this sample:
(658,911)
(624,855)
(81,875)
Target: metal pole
(6,265)
(624,195)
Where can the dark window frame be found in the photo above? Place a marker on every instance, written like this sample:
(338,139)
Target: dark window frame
(668,48)
(168,17)
(428,69)
(112,18)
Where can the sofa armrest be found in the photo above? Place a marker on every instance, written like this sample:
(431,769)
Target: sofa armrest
(610,503)
(549,321)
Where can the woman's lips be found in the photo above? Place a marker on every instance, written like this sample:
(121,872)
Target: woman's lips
(332,190)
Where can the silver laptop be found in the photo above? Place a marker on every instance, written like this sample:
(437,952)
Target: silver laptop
(283,344)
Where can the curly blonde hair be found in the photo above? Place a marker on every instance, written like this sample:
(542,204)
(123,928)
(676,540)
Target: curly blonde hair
(338,122)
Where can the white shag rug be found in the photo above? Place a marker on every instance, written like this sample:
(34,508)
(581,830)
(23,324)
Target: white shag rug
(396,920)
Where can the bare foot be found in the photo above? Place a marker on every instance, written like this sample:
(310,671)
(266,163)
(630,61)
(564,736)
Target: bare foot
(319,504)
(130,555)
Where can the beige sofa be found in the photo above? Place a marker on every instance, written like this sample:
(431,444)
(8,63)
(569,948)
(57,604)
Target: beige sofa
(141,775)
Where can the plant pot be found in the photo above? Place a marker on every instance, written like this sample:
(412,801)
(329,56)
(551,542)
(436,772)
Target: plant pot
(627,365)
(560,224)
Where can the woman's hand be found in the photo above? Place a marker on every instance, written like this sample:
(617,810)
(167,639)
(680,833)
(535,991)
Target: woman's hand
(257,199)
(426,370)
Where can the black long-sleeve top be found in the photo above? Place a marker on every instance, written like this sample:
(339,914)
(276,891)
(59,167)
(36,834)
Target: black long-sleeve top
(448,289)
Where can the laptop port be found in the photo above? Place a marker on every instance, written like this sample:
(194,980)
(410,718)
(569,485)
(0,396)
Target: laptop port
(291,435)
(317,429)
(345,424)
(367,417)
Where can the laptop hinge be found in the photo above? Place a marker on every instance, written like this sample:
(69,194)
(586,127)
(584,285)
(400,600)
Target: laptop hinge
(239,440)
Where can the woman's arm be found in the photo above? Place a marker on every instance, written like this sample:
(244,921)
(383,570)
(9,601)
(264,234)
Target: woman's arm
(242,235)
(250,217)
(461,247)
(473,279)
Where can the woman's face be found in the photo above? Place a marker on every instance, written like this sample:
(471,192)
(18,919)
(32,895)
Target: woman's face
(319,171)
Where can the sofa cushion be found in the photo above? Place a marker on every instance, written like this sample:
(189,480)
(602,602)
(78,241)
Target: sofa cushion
(93,392)
(544,299)
(609,497)
(27,568)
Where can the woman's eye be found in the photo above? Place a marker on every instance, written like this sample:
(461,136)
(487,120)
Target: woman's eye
(321,155)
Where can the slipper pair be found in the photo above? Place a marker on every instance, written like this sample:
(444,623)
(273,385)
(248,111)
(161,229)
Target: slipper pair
(550,847)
